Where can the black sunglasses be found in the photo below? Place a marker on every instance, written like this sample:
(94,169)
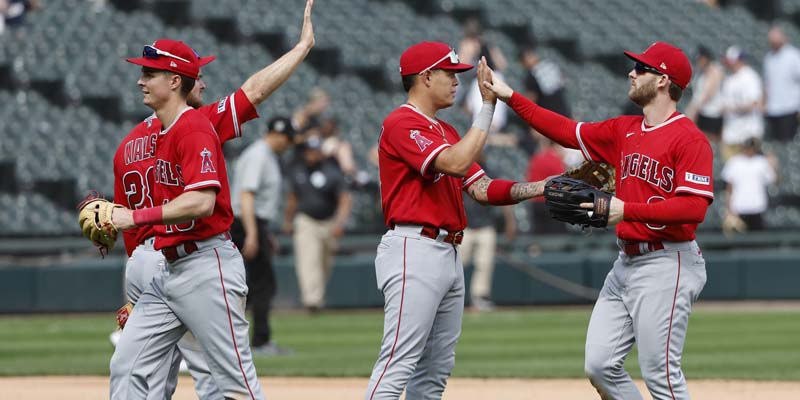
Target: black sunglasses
(642,68)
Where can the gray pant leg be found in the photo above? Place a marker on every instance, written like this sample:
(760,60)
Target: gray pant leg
(209,292)
(144,264)
(195,357)
(609,339)
(415,275)
(667,286)
(439,357)
(149,337)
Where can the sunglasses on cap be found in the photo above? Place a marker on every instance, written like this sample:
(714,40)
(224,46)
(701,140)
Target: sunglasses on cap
(153,52)
(453,60)
(642,68)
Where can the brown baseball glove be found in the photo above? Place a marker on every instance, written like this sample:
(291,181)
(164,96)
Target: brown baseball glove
(122,315)
(94,219)
(599,175)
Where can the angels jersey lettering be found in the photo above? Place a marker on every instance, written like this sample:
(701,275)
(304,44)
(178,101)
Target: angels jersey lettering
(653,164)
(411,193)
(134,160)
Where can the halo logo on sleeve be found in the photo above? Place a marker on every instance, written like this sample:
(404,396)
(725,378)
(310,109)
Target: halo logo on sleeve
(422,141)
(698,179)
(206,165)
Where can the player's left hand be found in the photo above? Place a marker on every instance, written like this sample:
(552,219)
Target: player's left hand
(616,210)
(484,75)
(307,34)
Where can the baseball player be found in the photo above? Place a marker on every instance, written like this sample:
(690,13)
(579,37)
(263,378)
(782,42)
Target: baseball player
(134,178)
(664,186)
(424,167)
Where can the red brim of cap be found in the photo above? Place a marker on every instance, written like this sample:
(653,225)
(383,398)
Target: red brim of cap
(203,61)
(637,57)
(461,67)
(146,62)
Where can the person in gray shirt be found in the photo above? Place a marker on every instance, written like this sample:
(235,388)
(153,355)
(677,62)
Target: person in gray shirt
(255,194)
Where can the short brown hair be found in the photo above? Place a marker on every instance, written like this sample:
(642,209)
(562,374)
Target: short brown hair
(408,81)
(675,92)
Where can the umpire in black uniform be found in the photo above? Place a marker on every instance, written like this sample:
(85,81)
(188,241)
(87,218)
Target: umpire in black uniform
(255,197)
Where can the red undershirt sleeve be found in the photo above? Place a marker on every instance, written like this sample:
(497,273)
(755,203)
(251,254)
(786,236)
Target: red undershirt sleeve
(553,125)
(677,210)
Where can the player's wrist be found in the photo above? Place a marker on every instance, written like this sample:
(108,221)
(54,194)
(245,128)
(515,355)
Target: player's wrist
(498,193)
(484,119)
(149,216)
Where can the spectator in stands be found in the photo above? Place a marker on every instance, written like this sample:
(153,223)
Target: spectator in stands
(742,96)
(255,199)
(13,12)
(546,162)
(747,176)
(472,46)
(317,209)
(544,82)
(310,115)
(480,244)
(333,145)
(705,107)
(782,86)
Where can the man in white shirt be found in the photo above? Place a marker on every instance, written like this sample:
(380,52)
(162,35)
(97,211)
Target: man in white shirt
(782,86)
(255,197)
(742,96)
(747,176)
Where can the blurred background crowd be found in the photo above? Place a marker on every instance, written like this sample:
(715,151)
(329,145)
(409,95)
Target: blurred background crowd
(68,96)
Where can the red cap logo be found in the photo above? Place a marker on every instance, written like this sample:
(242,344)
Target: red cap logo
(426,56)
(667,59)
(172,55)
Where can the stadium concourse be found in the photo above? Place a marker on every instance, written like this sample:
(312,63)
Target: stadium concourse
(68,97)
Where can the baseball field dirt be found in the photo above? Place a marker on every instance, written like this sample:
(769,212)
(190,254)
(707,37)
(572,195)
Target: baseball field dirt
(90,388)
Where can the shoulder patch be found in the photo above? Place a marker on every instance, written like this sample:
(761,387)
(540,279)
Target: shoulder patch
(221,105)
(206,165)
(698,179)
(420,139)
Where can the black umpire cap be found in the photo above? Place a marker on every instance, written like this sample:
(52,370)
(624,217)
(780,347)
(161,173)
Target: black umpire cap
(281,125)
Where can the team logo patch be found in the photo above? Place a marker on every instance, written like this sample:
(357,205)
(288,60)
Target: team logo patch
(698,179)
(206,165)
(221,105)
(422,141)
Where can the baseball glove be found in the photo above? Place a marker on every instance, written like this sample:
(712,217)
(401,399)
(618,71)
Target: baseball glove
(122,315)
(563,196)
(599,175)
(94,219)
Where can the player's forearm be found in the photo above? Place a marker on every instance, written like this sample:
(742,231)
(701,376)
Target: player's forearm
(458,158)
(184,208)
(248,213)
(263,83)
(552,125)
(677,210)
(489,191)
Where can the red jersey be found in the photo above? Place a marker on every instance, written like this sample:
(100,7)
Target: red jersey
(653,164)
(411,192)
(134,158)
(189,157)
(544,164)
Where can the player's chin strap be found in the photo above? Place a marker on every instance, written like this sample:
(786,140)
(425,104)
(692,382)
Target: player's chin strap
(565,285)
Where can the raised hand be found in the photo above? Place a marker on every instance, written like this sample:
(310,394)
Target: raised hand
(484,75)
(497,86)
(307,34)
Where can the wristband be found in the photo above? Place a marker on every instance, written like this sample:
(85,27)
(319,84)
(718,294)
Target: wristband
(499,192)
(149,216)
(484,119)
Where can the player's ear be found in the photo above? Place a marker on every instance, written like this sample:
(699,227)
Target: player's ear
(175,81)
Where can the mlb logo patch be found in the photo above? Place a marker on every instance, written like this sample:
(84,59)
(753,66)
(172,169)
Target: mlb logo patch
(698,179)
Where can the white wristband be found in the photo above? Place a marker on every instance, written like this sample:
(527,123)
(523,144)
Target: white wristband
(484,119)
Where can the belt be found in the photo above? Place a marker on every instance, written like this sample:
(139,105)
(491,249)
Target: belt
(639,248)
(433,233)
(183,249)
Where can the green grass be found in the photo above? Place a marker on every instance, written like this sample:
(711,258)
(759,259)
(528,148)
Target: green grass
(525,343)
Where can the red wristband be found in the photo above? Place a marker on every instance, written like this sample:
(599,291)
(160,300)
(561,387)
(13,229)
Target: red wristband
(499,192)
(149,216)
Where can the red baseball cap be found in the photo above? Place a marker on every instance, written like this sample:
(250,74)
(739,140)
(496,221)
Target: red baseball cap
(667,59)
(172,55)
(425,56)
